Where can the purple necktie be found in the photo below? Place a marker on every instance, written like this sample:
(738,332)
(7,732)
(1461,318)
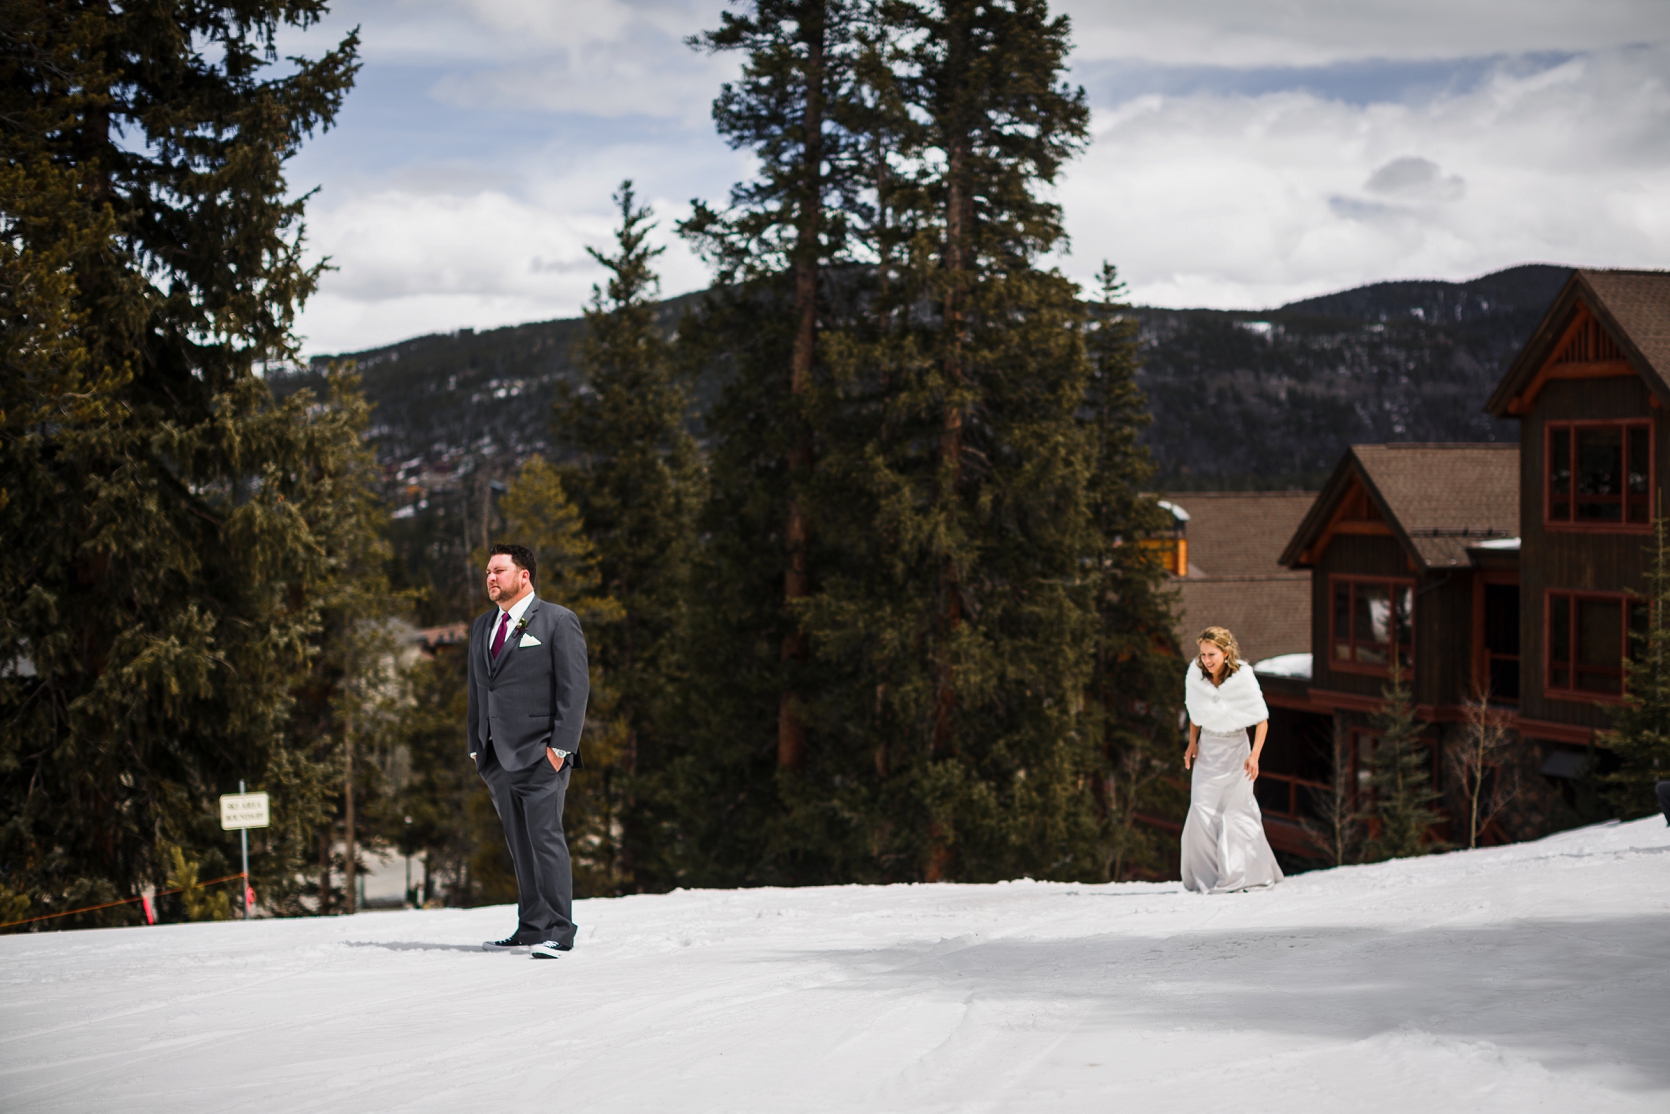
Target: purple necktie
(498,643)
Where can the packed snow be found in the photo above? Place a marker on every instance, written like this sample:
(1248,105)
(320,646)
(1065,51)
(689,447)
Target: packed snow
(1533,977)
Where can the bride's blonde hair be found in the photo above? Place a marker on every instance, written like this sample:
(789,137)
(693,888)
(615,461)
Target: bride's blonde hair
(1223,640)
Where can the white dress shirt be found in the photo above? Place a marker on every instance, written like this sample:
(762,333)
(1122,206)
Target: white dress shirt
(515,611)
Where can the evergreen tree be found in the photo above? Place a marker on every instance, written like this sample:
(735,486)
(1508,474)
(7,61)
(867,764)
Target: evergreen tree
(786,109)
(949,620)
(429,815)
(1401,779)
(636,482)
(1135,690)
(961,622)
(720,785)
(188,533)
(338,700)
(60,228)
(1641,727)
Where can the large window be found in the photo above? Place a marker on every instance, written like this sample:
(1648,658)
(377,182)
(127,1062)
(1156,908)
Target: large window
(1588,642)
(1372,619)
(1599,474)
(1501,641)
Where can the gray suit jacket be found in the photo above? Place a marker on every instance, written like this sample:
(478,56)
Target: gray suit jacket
(532,696)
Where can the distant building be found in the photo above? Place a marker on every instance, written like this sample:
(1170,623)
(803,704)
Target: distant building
(1509,570)
(437,640)
(1589,390)
(1409,549)
(1226,557)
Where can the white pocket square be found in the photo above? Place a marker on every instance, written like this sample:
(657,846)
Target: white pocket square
(528,640)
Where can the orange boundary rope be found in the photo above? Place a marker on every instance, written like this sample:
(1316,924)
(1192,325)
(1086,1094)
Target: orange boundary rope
(125,900)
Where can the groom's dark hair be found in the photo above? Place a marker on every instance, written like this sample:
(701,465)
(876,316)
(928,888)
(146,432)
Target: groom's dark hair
(521,556)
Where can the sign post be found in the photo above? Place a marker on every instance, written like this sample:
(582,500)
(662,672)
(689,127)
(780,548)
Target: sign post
(243,811)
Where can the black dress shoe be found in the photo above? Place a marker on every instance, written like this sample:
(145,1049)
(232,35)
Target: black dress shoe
(508,944)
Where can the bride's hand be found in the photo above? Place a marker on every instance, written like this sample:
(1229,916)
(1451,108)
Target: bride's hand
(1190,755)
(1251,766)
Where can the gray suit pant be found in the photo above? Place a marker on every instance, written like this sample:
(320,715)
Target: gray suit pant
(529,803)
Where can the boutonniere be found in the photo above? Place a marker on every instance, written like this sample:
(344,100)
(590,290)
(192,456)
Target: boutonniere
(522,625)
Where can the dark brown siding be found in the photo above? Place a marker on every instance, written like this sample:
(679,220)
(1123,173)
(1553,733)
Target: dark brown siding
(1443,637)
(1581,561)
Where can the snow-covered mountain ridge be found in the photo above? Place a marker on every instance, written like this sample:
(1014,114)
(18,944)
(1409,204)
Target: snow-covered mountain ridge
(1529,977)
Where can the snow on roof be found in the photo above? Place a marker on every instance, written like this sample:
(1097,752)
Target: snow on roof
(1285,665)
(1177,512)
(1511,544)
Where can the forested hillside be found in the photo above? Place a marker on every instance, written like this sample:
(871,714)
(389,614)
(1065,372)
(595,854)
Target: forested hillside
(1240,398)
(1272,399)
(449,395)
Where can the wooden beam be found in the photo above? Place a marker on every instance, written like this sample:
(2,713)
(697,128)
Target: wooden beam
(1556,366)
(1374,529)
(1356,514)
(1553,732)
(1596,369)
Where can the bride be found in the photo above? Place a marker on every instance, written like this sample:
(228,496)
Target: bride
(1224,847)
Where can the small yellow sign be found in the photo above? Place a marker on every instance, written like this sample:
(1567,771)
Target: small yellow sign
(243,810)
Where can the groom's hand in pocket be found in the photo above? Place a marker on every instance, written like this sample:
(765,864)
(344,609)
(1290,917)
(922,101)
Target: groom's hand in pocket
(554,758)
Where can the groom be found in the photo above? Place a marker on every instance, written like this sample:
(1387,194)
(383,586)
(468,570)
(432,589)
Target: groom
(528,687)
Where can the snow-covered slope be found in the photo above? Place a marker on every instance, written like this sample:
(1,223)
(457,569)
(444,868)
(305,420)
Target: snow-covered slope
(1534,977)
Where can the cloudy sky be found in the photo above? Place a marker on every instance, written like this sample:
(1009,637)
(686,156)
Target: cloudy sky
(1246,152)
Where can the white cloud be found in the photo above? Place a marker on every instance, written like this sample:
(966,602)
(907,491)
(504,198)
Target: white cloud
(455,31)
(1246,33)
(1217,200)
(1413,177)
(599,58)
(410,263)
(572,23)
(476,160)
(602,84)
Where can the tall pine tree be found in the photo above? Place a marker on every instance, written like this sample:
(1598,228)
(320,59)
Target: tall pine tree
(1402,808)
(955,547)
(636,481)
(781,225)
(778,248)
(1134,692)
(963,613)
(187,532)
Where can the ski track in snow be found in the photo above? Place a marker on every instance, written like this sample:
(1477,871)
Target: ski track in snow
(1532,977)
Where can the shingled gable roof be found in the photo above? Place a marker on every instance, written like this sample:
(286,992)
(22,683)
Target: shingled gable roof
(1240,533)
(1436,499)
(1634,307)
(1235,579)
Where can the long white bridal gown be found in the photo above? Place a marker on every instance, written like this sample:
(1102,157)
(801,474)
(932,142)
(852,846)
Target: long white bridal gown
(1224,847)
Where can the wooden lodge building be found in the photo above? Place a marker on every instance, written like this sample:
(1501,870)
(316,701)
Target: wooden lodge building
(1512,570)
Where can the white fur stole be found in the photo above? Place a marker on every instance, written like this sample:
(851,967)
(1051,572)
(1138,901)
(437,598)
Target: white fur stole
(1235,705)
